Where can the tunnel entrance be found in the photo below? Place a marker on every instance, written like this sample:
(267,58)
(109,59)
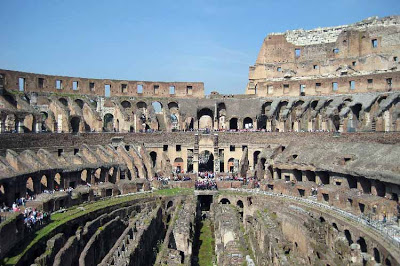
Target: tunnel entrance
(204,202)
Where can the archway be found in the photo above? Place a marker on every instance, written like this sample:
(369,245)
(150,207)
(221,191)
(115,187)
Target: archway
(255,158)
(206,161)
(142,106)
(178,164)
(57,181)
(30,187)
(363,244)
(153,156)
(174,122)
(80,103)
(377,255)
(43,183)
(231,165)
(336,122)
(84,177)
(75,121)
(126,104)
(224,201)
(233,123)
(348,236)
(240,204)
(157,106)
(64,101)
(108,122)
(205,118)
(248,123)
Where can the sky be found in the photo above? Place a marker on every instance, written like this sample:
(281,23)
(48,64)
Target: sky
(179,40)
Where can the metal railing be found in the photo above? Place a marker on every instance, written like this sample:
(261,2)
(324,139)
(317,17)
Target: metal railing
(390,235)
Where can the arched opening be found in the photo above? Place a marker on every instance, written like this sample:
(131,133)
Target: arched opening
(84,177)
(173,106)
(248,123)
(322,219)
(178,164)
(231,165)
(29,186)
(108,122)
(190,123)
(255,158)
(240,204)
(380,188)
(44,118)
(314,104)
(170,204)
(153,156)
(356,109)
(224,201)
(205,118)
(281,108)
(75,121)
(206,161)
(377,256)
(87,127)
(388,262)
(97,175)
(57,181)
(64,101)
(233,123)
(80,103)
(334,225)
(336,122)
(363,244)
(348,237)
(174,122)
(266,107)
(126,104)
(142,106)
(157,107)
(43,183)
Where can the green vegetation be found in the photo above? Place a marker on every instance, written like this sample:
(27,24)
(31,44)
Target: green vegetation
(206,252)
(74,212)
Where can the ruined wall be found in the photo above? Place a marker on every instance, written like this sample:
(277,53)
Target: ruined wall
(96,87)
(360,57)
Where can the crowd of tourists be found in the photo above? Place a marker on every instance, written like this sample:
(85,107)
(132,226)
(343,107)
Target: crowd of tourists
(206,184)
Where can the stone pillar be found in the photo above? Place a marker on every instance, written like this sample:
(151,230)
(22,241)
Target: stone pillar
(275,174)
(196,154)
(2,126)
(38,127)
(20,126)
(324,126)
(310,125)
(268,126)
(341,128)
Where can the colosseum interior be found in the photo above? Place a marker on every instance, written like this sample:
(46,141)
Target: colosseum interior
(302,169)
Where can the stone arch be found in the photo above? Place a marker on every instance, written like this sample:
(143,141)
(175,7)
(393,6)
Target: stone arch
(153,156)
(30,188)
(205,118)
(141,106)
(206,161)
(336,122)
(173,106)
(240,204)
(248,123)
(57,181)
(347,234)
(256,154)
(75,123)
(63,101)
(363,245)
(377,255)
(170,204)
(388,262)
(97,175)
(233,123)
(43,183)
(157,106)
(84,176)
(224,201)
(126,104)
(314,104)
(266,107)
(231,165)
(178,164)
(281,108)
(108,122)
(80,103)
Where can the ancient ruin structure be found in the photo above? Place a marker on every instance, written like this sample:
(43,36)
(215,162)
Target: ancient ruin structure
(305,163)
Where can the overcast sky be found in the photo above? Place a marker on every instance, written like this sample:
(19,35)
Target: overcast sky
(179,40)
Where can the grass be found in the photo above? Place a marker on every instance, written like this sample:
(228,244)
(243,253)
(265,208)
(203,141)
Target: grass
(206,252)
(74,212)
